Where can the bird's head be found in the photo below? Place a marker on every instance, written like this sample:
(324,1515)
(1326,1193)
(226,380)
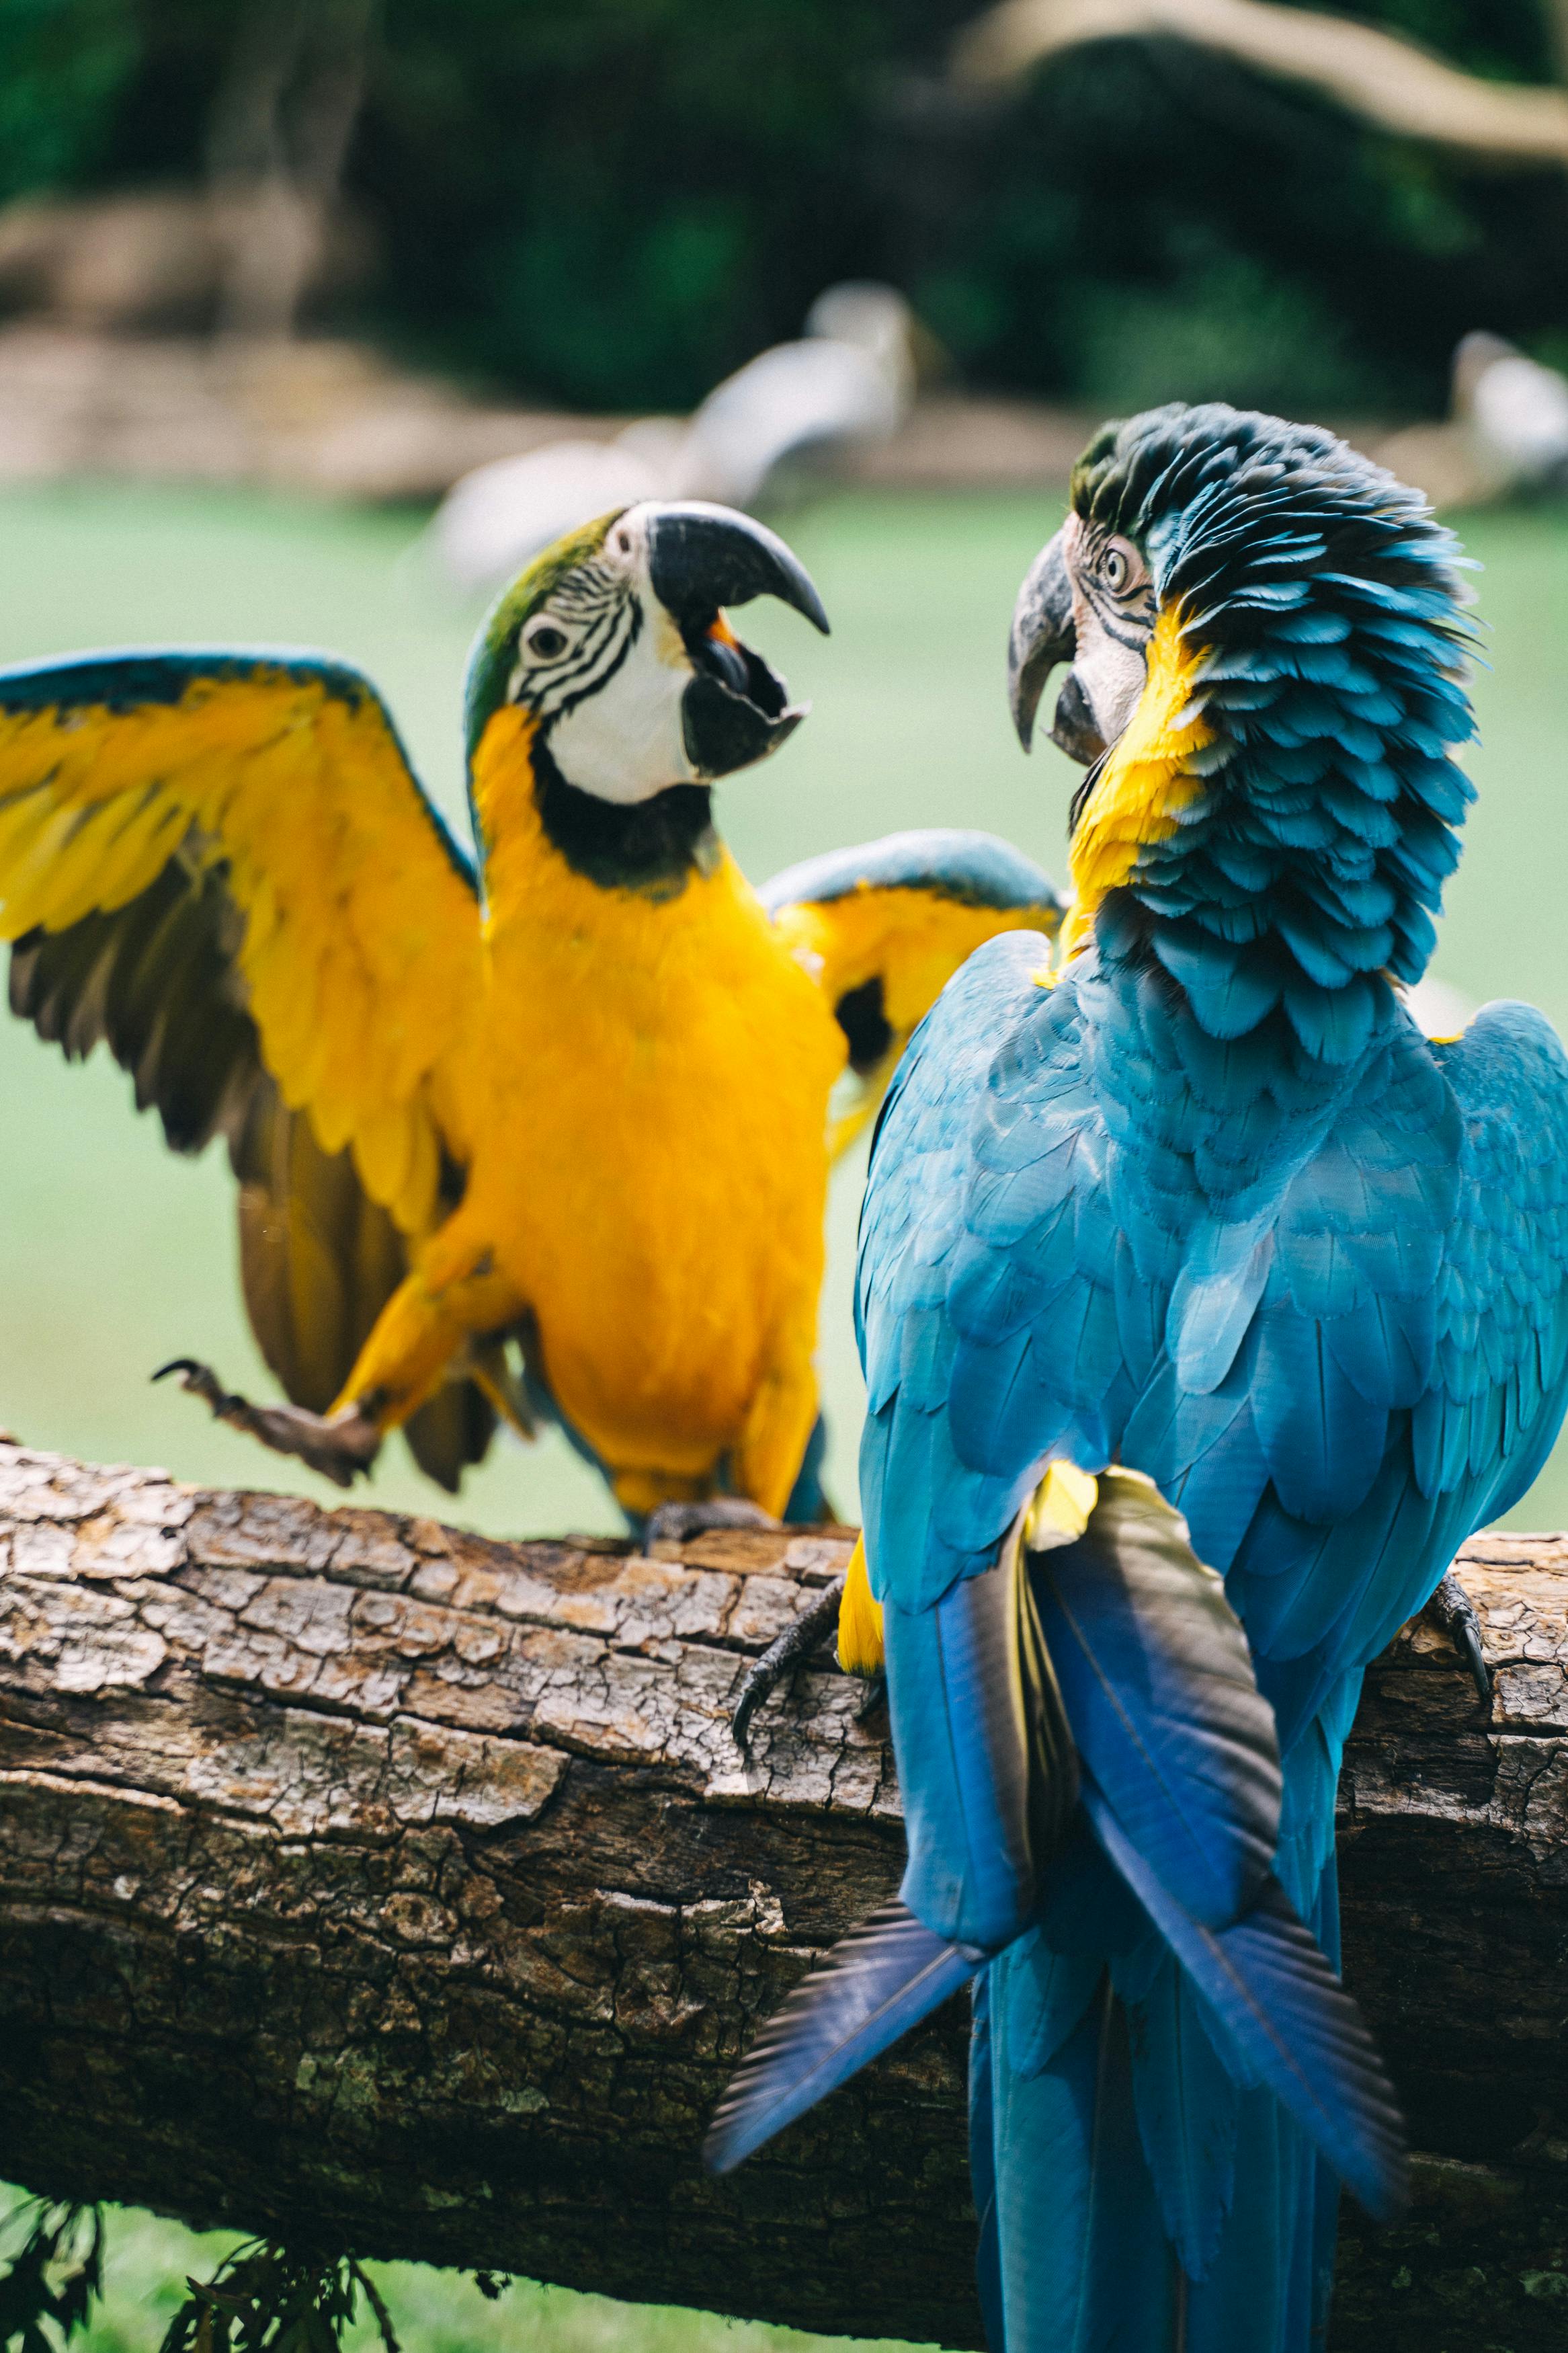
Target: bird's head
(611,665)
(1264,653)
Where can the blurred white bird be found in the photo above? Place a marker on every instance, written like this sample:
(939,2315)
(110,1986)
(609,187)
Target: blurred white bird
(848,382)
(1438,1010)
(1515,412)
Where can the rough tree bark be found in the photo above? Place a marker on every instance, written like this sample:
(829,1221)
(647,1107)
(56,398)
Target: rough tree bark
(364,1881)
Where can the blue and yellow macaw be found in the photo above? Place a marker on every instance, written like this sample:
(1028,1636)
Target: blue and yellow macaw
(572,1105)
(1207,1306)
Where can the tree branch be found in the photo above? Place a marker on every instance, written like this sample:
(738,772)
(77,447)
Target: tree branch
(391,1890)
(1376,74)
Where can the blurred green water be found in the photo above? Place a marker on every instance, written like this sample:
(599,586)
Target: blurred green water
(113,1255)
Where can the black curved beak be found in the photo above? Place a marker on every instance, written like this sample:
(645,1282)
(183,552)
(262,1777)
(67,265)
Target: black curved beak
(1042,638)
(701,558)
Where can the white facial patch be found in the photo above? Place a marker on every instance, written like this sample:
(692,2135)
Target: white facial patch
(625,741)
(1111,671)
(1112,676)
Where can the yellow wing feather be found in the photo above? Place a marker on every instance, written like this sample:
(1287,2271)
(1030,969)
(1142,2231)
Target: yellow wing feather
(909,940)
(357,944)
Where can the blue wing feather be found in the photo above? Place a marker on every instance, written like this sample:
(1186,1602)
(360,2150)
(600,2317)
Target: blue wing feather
(1286,2021)
(876,1984)
(978,869)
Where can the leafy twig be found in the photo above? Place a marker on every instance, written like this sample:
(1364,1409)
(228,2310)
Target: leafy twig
(265,2299)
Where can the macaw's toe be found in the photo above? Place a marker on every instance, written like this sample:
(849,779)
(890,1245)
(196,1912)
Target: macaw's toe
(1452,1608)
(798,1640)
(674,1523)
(340,1448)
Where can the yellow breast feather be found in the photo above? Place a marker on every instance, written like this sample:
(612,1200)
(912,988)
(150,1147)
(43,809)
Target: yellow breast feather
(1144,783)
(665,1221)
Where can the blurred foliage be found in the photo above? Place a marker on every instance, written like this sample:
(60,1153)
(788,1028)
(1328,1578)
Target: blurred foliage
(51,2275)
(63,67)
(613,204)
(263,2299)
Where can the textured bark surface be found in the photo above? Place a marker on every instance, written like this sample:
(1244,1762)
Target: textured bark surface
(364,1881)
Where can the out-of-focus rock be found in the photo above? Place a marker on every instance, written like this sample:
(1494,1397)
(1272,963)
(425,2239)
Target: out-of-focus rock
(146,260)
(323,417)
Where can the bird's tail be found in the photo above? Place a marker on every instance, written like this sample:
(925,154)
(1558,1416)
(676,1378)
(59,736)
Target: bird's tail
(1169,2075)
(1081,2254)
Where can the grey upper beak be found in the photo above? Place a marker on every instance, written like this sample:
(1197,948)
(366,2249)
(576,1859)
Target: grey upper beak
(1042,635)
(702,557)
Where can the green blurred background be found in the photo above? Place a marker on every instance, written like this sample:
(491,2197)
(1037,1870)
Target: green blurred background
(612,203)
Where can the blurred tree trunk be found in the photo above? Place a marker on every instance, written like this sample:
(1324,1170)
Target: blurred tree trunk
(276,150)
(389,1889)
(1389,81)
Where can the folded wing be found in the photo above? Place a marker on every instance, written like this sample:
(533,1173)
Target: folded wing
(883,927)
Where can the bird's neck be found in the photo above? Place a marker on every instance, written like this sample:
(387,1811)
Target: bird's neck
(522,801)
(1274,828)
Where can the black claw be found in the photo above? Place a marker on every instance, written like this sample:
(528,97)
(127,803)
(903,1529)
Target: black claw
(341,1450)
(876,1692)
(202,1382)
(797,1643)
(1456,1613)
(1468,1644)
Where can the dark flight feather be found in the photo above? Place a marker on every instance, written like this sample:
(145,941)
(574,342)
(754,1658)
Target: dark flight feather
(879,1981)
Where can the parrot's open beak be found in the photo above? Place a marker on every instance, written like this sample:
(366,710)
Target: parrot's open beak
(1043,636)
(701,558)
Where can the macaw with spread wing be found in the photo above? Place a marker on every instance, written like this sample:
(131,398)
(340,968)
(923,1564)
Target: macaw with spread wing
(1206,1307)
(549,1135)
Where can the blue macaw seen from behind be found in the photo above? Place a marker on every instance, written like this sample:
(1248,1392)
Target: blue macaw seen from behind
(1198,1212)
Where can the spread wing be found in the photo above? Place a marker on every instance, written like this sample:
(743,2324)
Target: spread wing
(1335,1392)
(884,927)
(222,865)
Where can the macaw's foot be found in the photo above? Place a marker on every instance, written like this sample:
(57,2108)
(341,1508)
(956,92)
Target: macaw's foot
(340,1448)
(1452,1608)
(781,1658)
(673,1523)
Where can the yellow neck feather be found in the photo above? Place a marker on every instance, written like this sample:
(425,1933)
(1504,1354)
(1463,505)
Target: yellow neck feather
(1144,783)
(504,804)
(540,909)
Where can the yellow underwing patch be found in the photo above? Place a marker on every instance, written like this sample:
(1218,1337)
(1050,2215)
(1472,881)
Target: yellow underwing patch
(360,957)
(913,940)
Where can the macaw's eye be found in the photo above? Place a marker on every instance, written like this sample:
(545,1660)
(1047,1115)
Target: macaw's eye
(544,641)
(1122,568)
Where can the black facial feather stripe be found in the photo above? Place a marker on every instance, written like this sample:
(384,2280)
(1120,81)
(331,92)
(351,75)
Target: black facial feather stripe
(614,623)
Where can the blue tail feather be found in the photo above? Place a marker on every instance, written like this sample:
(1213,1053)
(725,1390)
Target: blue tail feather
(1084,2262)
(1284,2021)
